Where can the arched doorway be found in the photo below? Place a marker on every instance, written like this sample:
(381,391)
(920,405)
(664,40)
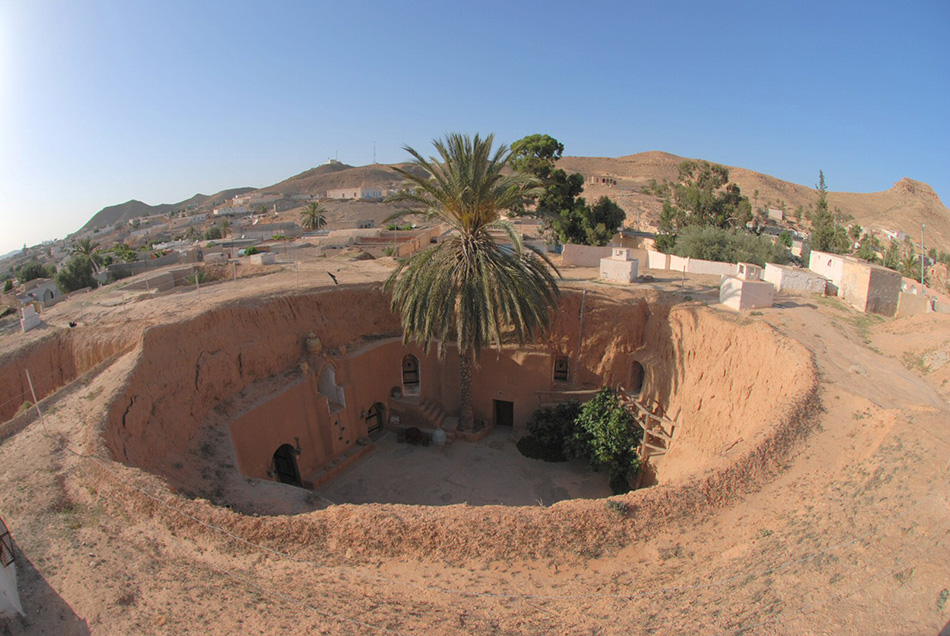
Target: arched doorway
(375,419)
(636,378)
(410,375)
(285,466)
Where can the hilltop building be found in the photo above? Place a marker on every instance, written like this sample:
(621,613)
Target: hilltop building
(355,193)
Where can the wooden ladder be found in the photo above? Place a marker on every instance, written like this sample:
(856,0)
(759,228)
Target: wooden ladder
(657,429)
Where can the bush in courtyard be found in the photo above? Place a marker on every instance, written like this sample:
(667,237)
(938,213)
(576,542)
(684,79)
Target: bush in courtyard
(548,432)
(607,435)
(251,251)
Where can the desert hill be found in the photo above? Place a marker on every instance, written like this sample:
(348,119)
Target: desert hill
(339,175)
(901,208)
(134,208)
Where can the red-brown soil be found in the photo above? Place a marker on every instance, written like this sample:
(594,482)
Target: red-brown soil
(812,499)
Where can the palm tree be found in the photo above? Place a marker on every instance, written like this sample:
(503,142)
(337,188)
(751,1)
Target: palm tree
(312,218)
(86,247)
(469,288)
(225,226)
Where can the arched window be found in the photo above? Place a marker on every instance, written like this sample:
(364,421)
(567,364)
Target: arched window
(636,378)
(410,375)
(561,369)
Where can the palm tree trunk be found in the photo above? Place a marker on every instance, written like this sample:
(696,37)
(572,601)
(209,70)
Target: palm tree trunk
(466,413)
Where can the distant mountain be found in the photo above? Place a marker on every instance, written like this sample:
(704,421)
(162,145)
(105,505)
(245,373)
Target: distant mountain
(339,175)
(134,209)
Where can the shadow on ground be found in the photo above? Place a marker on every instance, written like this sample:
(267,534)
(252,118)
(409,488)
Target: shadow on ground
(47,613)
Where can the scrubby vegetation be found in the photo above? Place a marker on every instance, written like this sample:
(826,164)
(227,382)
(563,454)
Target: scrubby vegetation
(601,432)
(34,269)
(567,215)
(729,246)
(548,432)
(77,273)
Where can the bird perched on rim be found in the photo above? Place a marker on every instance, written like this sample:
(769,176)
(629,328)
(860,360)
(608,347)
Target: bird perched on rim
(334,279)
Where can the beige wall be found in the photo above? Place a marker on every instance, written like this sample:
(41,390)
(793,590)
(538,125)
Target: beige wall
(870,288)
(252,361)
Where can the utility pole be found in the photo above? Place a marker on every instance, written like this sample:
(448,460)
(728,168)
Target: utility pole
(922,252)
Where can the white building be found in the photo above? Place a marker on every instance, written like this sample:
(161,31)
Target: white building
(355,193)
(237,210)
(254,199)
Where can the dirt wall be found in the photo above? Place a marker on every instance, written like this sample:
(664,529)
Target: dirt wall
(715,376)
(742,394)
(186,369)
(53,361)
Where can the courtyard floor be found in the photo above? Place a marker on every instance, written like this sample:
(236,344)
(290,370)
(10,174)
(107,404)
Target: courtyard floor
(488,472)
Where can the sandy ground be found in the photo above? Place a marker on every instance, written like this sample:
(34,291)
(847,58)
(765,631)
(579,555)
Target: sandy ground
(495,473)
(850,538)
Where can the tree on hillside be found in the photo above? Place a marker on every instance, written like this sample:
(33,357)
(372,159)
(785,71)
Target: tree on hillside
(827,234)
(32,270)
(313,217)
(702,197)
(225,226)
(854,232)
(566,213)
(86,247)
(468,288)
(77,273)
(868,248)
(590,225)
(536,154)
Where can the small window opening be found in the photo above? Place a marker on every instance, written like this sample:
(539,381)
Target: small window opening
(636,379)
(561,367)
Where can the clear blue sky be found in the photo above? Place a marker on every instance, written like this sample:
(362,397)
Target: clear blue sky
(101,102)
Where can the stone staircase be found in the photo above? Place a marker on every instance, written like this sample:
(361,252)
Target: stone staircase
(433,413)
(422,413)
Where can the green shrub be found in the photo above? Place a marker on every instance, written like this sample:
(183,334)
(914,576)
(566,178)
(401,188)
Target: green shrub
(8,286)
(548,432)
(76,274)
(33,270)
(251,250)
(729,246)
(607,435)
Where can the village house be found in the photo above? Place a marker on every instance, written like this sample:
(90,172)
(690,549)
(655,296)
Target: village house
(355,193)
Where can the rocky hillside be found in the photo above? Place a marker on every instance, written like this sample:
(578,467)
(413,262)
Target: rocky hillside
(902,208)
(133,209)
